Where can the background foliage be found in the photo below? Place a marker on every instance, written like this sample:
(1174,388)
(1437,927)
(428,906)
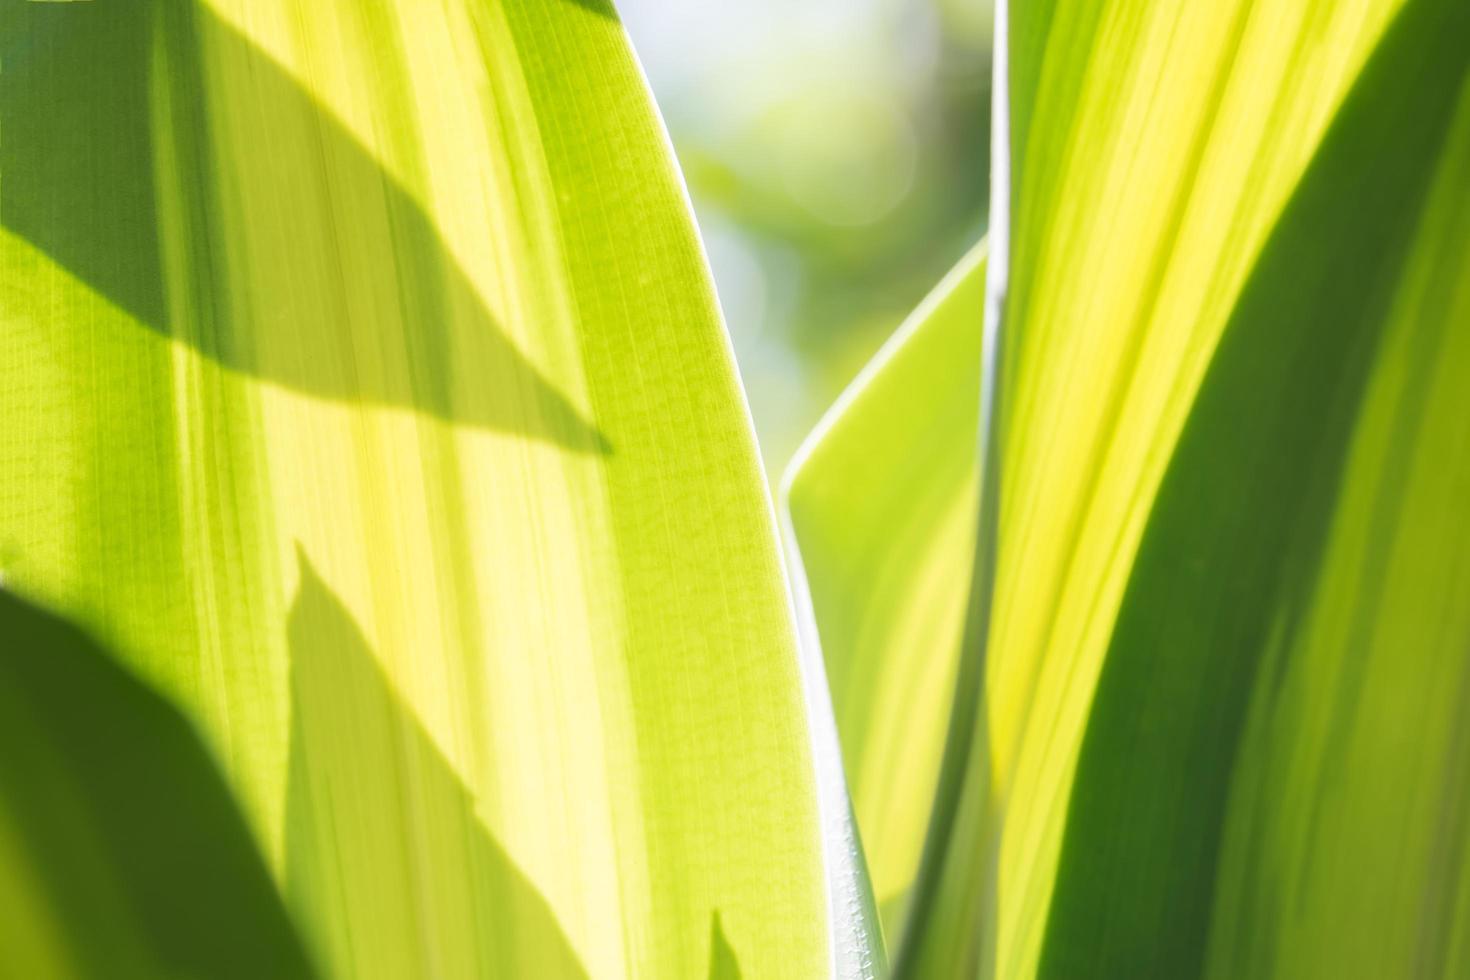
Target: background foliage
(838,155)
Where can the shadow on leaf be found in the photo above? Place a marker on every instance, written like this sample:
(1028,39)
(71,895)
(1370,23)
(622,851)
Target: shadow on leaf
(116,829)
(292,256)
(386,856)
(1230,559)
(723,964)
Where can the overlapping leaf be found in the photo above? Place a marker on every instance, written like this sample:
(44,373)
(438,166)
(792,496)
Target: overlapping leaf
(882,504)
(1273,779)
(1200,285)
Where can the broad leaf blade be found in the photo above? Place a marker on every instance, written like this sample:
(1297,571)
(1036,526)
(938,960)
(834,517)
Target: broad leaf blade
(341,331)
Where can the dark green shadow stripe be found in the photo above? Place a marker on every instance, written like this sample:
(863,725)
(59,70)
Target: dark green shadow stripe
(1227,561)
(139,855)
(80,91)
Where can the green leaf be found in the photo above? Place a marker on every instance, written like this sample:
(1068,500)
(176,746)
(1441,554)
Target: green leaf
(370,348)
(1153,149)
(122,853)
(1275,776)
(1159,156)
(881,501)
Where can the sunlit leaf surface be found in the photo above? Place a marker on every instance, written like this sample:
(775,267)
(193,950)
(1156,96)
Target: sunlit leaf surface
(1156,147)
(1238,257)
(363,386)
(1276,770)
(882,503)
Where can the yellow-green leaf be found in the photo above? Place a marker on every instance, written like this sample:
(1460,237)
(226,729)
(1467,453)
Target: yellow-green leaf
(1152,151)
(882,503)
(1275,775)
(1154,146)
(363,387)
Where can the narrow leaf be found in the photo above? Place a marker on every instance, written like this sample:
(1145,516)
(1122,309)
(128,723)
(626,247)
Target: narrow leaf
(1153,148)
(1273,781)
(881,500)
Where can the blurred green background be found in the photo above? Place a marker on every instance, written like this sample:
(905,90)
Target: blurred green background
(837,154)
